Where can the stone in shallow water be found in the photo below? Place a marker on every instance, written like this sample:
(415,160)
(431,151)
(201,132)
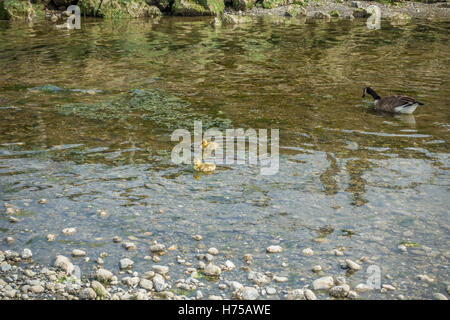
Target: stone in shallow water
(26,254)
(274,249)
(157,247)
(125,263)
(352,265)
(64,263)
(340,291)
(69,231)
(104,275)
(51,237)
(212,270)
(78,253)
(160,269)
(248,293)
(323,283)
(130,246)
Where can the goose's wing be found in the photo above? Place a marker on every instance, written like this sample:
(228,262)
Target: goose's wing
(396,103)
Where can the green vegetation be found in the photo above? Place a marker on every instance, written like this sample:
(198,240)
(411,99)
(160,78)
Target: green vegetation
(153,105)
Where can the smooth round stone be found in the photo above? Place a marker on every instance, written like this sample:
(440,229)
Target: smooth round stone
(51,237)
(157,247)
(274,249)
(249,293)
(78,253)
(213,251)
(125,263)
(317,268)
(352,265)
(307,252)
(323,283)
(160,269)
(130,246)
(340,291)
(26,254)
(309,295)
(212,270)
(69,231)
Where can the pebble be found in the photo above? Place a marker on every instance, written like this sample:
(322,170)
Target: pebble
(36,289)
(280,279)
(99,288)
(258,278)
(337,252)
(198,295)
(125,263)
(158,283)
(340,280)
(163,270)
(297,294)
(352,265)
(248,293)
(157,247)
(235,286)
(362,287)
(309,295)
(213,251)
(78,253)
(64,263)
(307,252)
(129,246)
(439,296)
(26,254)
(13,219)
(104,275)
(388,287)
(42,201)
(197,237)
(69,231)
(424,277)
(402,248)
(229,265)
(88,294)
(51,237)
(117,239)
(317,268)
(146,284)
(340,291)
(212,270)
(352,295)
(9,240)
(271,291)
(274,249)
(323,283)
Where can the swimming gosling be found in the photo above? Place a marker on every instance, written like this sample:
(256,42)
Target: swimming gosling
(394,104)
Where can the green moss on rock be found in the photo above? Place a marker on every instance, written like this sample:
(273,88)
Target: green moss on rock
(243,5)
(198,7)
(116,9)
(19,9)
(334,14)
(270,4)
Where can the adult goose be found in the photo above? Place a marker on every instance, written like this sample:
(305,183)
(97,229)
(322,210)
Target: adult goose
(394,104)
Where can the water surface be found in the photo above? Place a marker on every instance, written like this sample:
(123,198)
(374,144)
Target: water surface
(377,180)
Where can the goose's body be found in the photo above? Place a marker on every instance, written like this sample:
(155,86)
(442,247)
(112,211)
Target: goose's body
(394,104)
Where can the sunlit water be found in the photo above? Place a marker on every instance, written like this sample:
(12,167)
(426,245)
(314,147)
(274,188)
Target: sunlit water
(383,178)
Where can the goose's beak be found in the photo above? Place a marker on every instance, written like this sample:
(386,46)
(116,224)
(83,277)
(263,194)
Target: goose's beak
(364,95)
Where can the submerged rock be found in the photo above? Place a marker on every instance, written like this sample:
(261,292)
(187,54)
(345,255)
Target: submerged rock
(274,249)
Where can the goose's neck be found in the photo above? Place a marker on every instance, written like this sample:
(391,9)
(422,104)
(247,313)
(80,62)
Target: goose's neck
(375,96)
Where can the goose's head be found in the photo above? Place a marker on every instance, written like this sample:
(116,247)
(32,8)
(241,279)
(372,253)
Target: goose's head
(366,90)
(369,90)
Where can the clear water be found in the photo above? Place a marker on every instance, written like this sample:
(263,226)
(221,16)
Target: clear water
(344,166)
